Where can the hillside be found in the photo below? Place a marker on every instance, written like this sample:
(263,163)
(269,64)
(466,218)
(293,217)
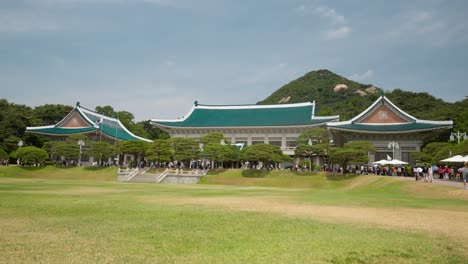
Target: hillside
(336,95)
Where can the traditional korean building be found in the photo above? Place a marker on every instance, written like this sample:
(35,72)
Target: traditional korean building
(277,124)
(84,121)
(392,131)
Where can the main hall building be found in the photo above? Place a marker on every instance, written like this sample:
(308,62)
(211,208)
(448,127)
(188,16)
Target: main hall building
(277,124)
(392,131)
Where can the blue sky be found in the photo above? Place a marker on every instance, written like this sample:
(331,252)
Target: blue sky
(155,57)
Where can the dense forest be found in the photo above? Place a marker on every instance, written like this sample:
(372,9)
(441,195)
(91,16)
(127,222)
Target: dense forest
(336,95)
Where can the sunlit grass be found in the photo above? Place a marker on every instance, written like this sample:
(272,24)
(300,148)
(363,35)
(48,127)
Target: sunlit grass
(56,215)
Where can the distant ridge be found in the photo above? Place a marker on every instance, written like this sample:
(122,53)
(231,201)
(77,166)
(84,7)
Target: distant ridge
(329,89)
(337,95)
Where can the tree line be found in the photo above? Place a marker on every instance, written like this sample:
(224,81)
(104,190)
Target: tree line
(14,118)
(213,148)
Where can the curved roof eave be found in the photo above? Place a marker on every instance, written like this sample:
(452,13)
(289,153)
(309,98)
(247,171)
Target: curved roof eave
(236,127)
(388,132)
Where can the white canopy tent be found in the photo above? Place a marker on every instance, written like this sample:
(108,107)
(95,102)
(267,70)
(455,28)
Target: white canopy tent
(456,159)
(390,162)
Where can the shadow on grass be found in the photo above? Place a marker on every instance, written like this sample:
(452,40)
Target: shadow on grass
(305,173)
(339,177)
(255,173)
(32,168)
(95,168)
(216,171)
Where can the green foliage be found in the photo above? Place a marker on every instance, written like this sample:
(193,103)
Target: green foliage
(232,153)
(13,119)
(315,135)
(313,142)
(10,144)
(421,157)
(74,138)
(13,155)
(49,114)
(3,154)
(133,147)
(49,147)
(461,148)
(105,110)
(218,153)
(67,150)
(361,145)
(32,154)
(159,150)
(185,149)
(432,148)
(102,151)
(214,137)
(351,153)
(152,132)
(264,153)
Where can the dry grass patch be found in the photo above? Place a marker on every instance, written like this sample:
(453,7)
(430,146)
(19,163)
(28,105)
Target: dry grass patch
(365,181)
(452,224)
(436,191)
(76,191)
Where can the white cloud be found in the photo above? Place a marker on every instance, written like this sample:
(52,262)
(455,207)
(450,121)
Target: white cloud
(16,22)
(421,22)
(330,13)
(338,22)
(362,77)
(338,33)
(428,27)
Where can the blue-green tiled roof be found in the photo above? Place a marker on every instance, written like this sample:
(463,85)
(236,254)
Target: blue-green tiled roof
(412,124)
(391,128)
(109,126)
(245,116)
(61,131)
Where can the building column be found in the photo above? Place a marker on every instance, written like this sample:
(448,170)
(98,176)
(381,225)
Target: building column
(283,142)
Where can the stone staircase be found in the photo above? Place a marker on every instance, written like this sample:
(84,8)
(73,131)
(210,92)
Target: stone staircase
(179,176)
(174,176)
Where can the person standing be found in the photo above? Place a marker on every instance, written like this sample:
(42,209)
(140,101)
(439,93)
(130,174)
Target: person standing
(430,173)
(446,173)
(465,174)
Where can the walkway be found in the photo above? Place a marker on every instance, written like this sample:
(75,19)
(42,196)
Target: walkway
(451,183)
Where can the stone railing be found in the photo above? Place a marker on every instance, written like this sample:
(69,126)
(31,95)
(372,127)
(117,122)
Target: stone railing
(126,174)
(181,176)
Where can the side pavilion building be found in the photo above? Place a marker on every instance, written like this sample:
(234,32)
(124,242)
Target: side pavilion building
(392,131)
(278,125)
(84,121)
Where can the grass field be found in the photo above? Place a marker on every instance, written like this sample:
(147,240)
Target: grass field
(80,215)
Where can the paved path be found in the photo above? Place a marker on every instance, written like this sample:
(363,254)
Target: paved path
(452,183)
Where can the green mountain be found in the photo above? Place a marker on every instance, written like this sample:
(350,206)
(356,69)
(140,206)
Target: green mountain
(336,95)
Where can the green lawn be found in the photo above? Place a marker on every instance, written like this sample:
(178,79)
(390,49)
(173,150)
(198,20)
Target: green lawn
(80,215)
